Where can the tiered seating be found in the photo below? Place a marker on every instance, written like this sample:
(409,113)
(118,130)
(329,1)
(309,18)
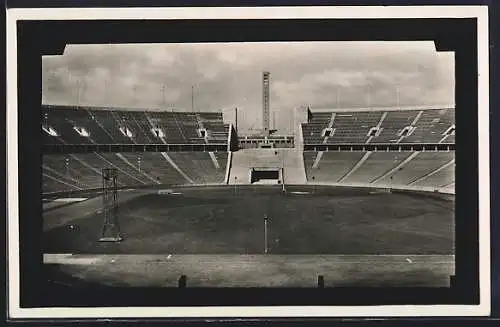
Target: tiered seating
(376,165)
(126,168)
(200,167)
(210,116)
(188,124)
(84,171)
(393,124)
(431,125)
(217,133)
(63,123)
(156,166)
(139,124)
(449,140)
(51,184)
(353,127)
(424,163)
(425,169)
(98,161)
(442,178)
(222,160)
(312,131)
(109,121)
(103,126)
(333,166)
(63,168)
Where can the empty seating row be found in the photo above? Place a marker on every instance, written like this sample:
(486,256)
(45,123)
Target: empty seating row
(430,169)
(84,171)
(88,125)
(405,126)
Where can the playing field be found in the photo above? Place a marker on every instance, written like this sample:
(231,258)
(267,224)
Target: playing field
(216,236)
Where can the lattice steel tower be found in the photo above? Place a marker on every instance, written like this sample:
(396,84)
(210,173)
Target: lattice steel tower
(111,229)
(265,103)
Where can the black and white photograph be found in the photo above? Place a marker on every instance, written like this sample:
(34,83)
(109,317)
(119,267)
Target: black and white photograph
(264,164)
(272,192)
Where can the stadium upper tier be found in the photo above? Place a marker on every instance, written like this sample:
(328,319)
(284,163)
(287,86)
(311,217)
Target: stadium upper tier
(90,125)
(380,126)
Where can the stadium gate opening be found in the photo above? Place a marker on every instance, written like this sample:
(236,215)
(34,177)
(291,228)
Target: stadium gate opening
(266,175)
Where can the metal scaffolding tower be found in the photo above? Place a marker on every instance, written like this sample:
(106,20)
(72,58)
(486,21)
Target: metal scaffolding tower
(111,229)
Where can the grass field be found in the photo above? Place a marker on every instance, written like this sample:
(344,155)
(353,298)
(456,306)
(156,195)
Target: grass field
(216,237)
(231,221)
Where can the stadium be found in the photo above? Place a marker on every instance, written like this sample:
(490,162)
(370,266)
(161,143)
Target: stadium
(359,197)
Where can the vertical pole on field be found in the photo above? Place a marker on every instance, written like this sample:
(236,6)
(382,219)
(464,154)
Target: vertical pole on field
(283,189)
(235,181)
(265,233)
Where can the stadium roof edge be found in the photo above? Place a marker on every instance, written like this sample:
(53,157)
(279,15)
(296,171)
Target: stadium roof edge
(406,108)
(106,108)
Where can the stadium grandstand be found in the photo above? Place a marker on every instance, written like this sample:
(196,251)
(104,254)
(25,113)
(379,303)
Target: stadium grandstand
(375,147)
(344,181)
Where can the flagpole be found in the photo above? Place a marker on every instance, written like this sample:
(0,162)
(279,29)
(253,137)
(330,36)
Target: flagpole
(265,234)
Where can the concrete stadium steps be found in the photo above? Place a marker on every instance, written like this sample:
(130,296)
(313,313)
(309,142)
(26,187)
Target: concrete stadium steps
(107,121)
(450,187)
(199,166)
(64,123)
(352,127)
(126,169)
(376,165)
(334,165)
(393,124)
(294,171)
(222,158)
(84,171)
(419,169)
(141,127)
(450,139)
(103,125)
(62,167)
(309,158)
(98,162)
(246,159)
(444,177)
(431,125)
(423,163)
(97,130)
(53,184)
(73,169)
(155,165)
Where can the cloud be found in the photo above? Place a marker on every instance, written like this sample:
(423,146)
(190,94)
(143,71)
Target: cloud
(227,75)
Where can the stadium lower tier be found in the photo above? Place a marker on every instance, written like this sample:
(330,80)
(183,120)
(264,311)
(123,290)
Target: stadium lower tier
(382,169)
(77,172)
(74,172)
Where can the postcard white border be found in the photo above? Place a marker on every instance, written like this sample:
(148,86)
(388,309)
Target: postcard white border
(375,12)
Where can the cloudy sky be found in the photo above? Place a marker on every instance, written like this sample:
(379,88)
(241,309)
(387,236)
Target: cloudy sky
(228,75)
